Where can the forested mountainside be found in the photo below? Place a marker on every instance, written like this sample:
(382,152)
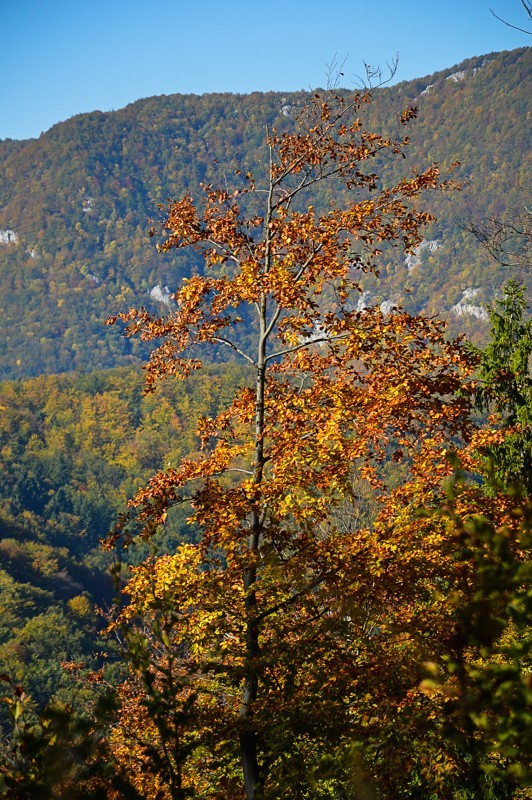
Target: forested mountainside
(76,205)
(73,450)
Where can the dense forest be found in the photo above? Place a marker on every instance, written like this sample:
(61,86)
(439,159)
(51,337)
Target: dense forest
(79,199)
(74,449)
(290,556)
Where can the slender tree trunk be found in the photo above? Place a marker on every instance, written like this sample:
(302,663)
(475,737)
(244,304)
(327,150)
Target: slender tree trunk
(248,734)
(253,775)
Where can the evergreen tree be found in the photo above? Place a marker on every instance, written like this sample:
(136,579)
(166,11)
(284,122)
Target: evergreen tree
(505,384)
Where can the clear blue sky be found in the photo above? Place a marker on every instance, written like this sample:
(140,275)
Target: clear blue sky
(64,57)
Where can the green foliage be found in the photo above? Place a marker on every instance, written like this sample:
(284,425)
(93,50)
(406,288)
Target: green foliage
(72,451)
(505,383)
(58,753)
(489,718)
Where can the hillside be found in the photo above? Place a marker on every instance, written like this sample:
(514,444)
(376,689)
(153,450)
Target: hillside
(73,449)
(76,205)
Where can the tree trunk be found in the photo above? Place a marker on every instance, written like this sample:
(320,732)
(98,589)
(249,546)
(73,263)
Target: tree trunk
(248,734)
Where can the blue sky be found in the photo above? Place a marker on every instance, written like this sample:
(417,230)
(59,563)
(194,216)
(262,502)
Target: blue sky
(64,57)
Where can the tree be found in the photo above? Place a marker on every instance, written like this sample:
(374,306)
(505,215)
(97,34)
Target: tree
(268,624)
(505,384)
(507,240)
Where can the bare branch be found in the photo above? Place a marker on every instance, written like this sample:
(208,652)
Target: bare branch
(508,241)
(334,72)
(303,345)
(528,8)
(296,596)
(229,343)
(374,74)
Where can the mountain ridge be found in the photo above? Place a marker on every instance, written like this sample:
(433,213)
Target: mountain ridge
(79,200)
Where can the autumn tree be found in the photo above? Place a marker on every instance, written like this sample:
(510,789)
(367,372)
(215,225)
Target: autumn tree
(267,636)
